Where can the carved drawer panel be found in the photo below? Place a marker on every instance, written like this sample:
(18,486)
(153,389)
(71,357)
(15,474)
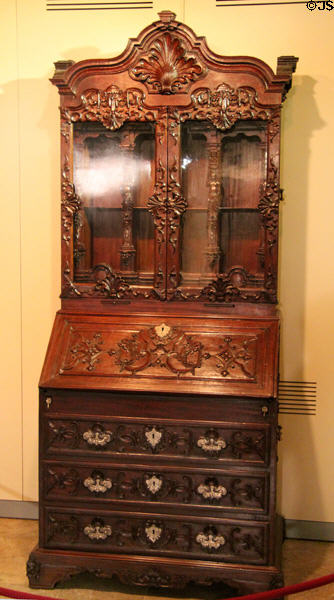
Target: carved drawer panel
(115,484)
(235,541)
(234,356)
(205,442)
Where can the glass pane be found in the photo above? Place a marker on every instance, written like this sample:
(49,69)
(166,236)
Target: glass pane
(113,173)
(222,174)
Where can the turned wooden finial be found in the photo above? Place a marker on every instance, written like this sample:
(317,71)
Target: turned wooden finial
(167,16)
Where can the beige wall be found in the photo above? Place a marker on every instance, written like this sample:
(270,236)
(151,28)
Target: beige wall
(32,39)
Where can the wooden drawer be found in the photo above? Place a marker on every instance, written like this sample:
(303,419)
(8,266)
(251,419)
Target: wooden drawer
(202,442)
(226,541)
(231,491)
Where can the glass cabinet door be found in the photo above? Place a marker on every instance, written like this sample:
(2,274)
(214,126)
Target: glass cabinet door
(222,173)
(113,174)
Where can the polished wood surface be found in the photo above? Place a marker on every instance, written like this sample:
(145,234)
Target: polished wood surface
(158,410)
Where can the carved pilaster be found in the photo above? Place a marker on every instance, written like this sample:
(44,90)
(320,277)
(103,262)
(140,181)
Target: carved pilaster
(156,205)
(213,252)
(127,251)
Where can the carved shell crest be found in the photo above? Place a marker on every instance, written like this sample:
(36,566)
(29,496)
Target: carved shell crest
(166,69)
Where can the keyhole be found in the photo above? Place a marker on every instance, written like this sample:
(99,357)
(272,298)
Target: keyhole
(48,402)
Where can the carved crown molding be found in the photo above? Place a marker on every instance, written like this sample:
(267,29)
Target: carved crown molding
(167,56)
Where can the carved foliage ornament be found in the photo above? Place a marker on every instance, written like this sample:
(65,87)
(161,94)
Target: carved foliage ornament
(160,346)
(271,195)
(164,347)
(167,68)
(83,350)
(112,107)
(110,284)
(236,285)
(226,105)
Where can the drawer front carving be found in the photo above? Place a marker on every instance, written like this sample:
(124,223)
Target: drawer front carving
(236,491)
(110,532)
(230,442)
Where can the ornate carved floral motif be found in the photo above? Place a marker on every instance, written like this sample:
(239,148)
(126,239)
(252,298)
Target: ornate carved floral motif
(271,195)
(226,105)
(33,571)
(63,433)
(240,355)
(69,288)
(110,284)
(151,577)
(243,444)
(165,347)
(68,480)
(246,542)
(70,202)
(242,492)
(83,350)
(162,346)
(232,286)
(112,107)
(249,445)
(62,527)
(156,204)
(167,67)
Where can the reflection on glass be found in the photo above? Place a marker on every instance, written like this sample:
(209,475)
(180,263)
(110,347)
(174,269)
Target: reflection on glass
(113,173)
(222,173)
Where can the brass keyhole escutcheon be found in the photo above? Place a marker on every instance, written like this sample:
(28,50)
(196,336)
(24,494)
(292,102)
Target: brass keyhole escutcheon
(162,330)
(48,402)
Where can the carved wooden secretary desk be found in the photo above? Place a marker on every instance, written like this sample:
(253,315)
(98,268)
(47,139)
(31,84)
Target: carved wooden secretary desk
(158,411)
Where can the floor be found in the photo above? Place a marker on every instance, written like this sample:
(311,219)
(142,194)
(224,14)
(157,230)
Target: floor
(302,560)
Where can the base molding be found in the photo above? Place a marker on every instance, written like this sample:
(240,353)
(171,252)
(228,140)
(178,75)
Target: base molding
(18,509)
(321,531)
(47,567)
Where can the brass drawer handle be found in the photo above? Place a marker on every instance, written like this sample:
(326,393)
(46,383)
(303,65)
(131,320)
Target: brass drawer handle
(211,442)
(97,437)
(209,539)
(211,491)
(97,484)
(98,531)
